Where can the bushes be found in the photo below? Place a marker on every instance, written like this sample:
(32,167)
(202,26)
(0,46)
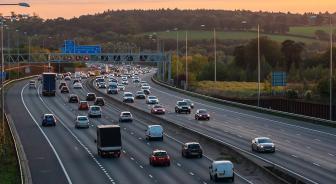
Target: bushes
(292,94)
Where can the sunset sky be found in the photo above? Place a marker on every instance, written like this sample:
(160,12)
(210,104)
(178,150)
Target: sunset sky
(75,8)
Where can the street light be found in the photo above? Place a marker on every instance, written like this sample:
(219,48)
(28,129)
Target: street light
(23,4)
(331,71)
(258,65)
(186,62)
(177,53)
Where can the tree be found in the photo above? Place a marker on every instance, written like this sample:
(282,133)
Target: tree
(292,51)
(321,35)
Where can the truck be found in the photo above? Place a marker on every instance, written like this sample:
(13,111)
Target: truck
(48,84)
(108,140)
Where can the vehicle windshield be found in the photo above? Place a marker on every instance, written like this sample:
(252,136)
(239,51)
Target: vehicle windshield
(126,114)
(128,95)
(49,118)
(140,93)
(95,108)
(152,97)
(264,141)
(202,111)
(160,154)
(82,118)
(145,87)
(182,103)
(157,106)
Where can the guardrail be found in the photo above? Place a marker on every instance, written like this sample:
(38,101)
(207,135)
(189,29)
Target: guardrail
(290,175)
(25,174)
(249,107)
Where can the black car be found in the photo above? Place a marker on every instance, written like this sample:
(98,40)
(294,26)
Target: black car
(99,101)
(48,120)
(192,149)
(62,84)
(182,106)
(73,99)
(76,80)
(90,97)
(202,114)
(146,91)
(65,89)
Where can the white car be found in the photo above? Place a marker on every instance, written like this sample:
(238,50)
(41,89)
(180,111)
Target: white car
(145,85)
(121,87)
(125,82)
(221,169)
(32,84)
(152,100)
(128,97)
(154,132)
(95,111)
(78,85)
(82,122)
(125,116)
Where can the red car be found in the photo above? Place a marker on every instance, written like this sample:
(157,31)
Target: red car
(158,109)
(83,105)
(159,157)
(202,114)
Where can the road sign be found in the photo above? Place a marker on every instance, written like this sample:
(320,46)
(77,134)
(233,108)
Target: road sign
(279,78)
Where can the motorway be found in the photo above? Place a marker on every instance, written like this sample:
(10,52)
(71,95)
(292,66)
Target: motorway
(63,154)
(306,149)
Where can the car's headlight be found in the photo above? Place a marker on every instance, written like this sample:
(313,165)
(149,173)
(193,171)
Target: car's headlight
(272,146)
(261,146)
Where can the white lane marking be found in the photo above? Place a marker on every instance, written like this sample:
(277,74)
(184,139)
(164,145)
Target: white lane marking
(317,140)
(46,137)
(258,117)
(141,166)
(331,154)
(316,164)
(178,164)
(294,156)
(150,176)
(76,138)
(192,174)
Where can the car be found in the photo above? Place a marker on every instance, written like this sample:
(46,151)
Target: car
(136,80)
(65,89)
(159,157)
(32,84)
(95,111)
(121,87)
(128,97)
(82,122)
(59,76)
(190,103)
(78,85)
(154,132)
(63,83)
(158,109)
(182,106)
(76,81)
(90,97)
(152,100)
(84,76)
(101,85)
(140,95)
(67,78)
(39,78)
(112,89)
(112,80)
(125,116)
(48,120)
(83,105)
(192,149)
(99,101)
(125,82)
(145,85)
(263,144)
(202,114)
(73,98)
(146,91)
(221,169)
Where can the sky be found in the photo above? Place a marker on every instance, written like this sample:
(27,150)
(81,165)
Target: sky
(74,8)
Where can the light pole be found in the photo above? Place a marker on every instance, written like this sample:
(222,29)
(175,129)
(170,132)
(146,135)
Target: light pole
(215,47)
(258,65)
(186,61)
(331,72)
(23,4)
(177,55)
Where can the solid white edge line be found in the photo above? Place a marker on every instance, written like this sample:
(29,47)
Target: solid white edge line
(46,137)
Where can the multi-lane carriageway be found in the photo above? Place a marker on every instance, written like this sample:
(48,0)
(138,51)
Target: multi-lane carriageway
(63,154)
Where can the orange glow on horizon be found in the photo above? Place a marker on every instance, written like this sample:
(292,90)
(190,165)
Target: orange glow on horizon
(75,8)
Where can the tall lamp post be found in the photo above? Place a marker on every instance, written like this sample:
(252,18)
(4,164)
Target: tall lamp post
(3,68)
(331,71)
(258,65)
(177,54)
(186,61)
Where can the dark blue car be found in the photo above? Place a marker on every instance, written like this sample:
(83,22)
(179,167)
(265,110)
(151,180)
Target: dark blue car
(48,120)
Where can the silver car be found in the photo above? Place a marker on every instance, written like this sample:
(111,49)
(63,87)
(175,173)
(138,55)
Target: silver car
(82,122)
(263,144)
(125,116)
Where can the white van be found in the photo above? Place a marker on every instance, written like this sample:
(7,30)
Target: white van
(222,169)
(154,132)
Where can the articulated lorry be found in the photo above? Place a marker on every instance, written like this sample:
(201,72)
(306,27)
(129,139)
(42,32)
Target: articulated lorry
(48,84)
(108,140)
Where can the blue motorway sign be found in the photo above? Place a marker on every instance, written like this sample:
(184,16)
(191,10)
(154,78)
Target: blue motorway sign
(3,75)
(279,78)
(71,47)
